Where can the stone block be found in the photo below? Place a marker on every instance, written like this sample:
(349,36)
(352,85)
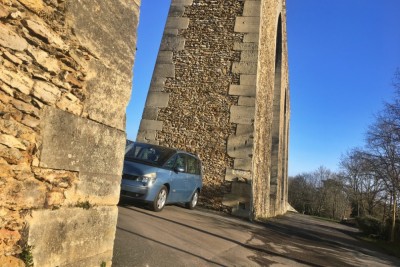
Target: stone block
(11,142)
(243,164)
(181,2)
(83,146)
(164,57)
(245,129)
(40,28)
(146,136)
(249,56)
(109,91)
(252,8)
(172,43)
(242,114)
(16,80)
(47,92)
(247,24)
(164,70)
(107,30)
(9,39)
(235,175)
(150,113)
(150,125)
(243,90)
(177,23)
(245,46)
(240,146)
(246,79)
(176,11)
(247,101)
(34,5)
(251,38)
(244,67)
(72,236)
(157,99)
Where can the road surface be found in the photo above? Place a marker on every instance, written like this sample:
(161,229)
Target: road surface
(179,237)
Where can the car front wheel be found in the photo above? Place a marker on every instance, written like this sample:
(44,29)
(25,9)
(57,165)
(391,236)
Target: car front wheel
(193,201)
(160,200)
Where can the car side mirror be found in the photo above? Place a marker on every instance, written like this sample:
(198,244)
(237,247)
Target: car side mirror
(179,169)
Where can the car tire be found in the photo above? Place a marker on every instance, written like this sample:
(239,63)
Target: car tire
(160,200)
(193,201)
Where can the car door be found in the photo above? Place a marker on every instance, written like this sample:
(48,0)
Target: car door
(192,177)
(178,179)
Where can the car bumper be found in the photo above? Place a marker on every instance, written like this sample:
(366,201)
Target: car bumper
(137,191)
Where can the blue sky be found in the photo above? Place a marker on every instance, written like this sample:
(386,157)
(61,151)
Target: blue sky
(342,57)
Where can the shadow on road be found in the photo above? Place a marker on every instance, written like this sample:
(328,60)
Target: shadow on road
(247,246)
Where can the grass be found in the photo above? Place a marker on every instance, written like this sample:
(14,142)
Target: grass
(326,219)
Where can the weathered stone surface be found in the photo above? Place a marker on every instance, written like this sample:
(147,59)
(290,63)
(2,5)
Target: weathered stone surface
(11,261)
(177,23)
(181,2)
(245,46)
(252,8)
(41,29)
(11,142)
(240,146)
(157,99)
(44,59)
(172,43)
(243,90)
(242,114)
(248,79)
(104,84)
(8,38)
(146,125)
(247,24)
(17,80)
(34,5)
(46,92)
(164,57)
(251,38)
(84,146)
(83,236)
(70,103)
(27,193)
(247,101)
(164,70)
(244,67)
(97,24)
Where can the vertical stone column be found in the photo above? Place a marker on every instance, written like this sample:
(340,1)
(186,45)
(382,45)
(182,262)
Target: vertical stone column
(212,94)
(65,81)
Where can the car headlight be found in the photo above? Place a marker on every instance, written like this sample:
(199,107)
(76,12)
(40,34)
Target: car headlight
(147,179)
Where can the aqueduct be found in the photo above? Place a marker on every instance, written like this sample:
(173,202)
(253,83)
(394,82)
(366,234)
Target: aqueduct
(219,89)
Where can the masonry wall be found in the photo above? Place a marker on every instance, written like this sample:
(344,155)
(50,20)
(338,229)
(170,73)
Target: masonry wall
(63,67)
(212,93)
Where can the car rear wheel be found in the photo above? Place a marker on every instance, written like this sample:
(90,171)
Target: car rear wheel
(193,201)
(160,200)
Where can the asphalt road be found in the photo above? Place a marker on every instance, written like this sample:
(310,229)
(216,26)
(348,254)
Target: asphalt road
(180,237)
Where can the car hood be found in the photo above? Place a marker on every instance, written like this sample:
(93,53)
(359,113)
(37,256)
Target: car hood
(136,168)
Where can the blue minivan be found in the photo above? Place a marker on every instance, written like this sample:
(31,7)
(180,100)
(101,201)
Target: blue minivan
(161,175)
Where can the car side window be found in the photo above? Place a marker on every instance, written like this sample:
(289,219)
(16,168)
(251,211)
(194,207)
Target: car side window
(170,164)
(180,162)
(192,165)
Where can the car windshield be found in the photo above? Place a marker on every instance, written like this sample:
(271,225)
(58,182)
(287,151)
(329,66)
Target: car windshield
(147,153)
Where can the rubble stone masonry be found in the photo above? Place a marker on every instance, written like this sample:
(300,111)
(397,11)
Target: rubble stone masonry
(65,81)
(220,90)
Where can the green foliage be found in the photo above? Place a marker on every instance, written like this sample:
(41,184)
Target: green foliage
(103,264)
(26,256)
(84,205)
